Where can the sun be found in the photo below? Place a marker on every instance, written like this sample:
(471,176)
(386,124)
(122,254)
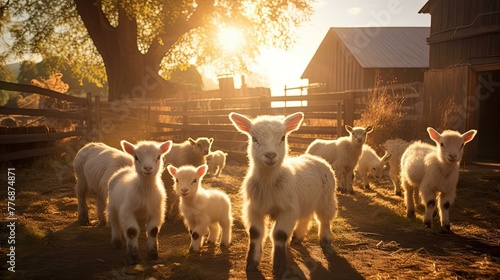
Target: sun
(230,39)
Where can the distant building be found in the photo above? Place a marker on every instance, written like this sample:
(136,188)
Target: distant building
(464,71)
(348,58)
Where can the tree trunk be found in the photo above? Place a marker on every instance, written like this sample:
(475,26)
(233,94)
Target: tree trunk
(130,73)
(130,77)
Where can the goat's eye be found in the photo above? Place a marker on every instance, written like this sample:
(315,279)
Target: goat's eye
(136,158)
(283,138)
(194,181)
(442,145)
(176,180)
(255,140)
(158,158)
(462,146)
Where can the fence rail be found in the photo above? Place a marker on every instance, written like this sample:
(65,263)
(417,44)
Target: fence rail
(195,116)
(26,143)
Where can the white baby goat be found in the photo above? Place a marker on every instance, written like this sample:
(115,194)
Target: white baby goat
(201,208)
(137,193)
(287,190)
(432,170)
(94,164)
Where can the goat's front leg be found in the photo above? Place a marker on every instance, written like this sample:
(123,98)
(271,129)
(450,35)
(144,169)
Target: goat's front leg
(445,202)
(152,231)
(257,231)
(282,231)
(131,228)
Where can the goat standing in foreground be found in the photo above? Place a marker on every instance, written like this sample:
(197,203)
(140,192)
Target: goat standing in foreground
(287,190)
(135,193)
(432,170)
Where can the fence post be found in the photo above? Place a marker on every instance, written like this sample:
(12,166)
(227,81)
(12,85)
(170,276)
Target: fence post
(148,127)
(184,121)
(265,105)
(89,116)
(98,117)
(349,110)
(339,120)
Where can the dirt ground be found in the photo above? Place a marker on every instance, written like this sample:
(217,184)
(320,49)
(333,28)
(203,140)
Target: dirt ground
(372,238)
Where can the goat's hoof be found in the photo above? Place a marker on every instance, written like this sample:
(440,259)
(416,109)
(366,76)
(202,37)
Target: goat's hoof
(116,244)
(445,229)
(427,224)
(410,214)
(296,240)
(279,266)
(132,259)
(325,242)
(252,265)
(84,220)
(153,255)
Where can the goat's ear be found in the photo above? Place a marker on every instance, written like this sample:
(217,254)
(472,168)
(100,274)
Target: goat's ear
(434,135)
(192,141)
(172,170)
(369,129)
(241,122)
(293,121)
(165,147)
(348,128)
(202,170)
(469,135)
(386,157)
(127,147)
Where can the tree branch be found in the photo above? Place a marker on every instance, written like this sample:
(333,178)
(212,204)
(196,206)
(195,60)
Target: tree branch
(181,26)
(99,30)
(127,30)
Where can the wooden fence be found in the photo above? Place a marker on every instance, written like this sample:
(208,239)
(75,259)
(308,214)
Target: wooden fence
(32,141)
(193,116)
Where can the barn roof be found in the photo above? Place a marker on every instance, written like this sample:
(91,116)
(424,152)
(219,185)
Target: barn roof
(382,47)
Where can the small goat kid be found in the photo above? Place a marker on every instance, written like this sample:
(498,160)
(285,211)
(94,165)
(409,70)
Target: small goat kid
(432,170)
(287,190)
(201,208)
(137,192)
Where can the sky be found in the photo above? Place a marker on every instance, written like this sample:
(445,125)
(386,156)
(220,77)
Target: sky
(277,68)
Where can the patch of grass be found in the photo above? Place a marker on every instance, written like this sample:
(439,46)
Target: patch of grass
(42,206)
(384,113)
(32,232)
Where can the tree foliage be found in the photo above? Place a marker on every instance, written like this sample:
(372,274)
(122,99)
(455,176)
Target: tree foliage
(98,37)
(7,75)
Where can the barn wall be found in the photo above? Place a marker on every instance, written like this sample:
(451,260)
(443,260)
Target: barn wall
(334,65)
(464,32)
(447,90)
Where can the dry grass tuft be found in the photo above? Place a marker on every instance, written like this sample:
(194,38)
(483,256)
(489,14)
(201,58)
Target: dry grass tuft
(384,113)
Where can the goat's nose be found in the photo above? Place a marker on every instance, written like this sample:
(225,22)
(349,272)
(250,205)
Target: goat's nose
(271,155)
(453,156)
(148,168)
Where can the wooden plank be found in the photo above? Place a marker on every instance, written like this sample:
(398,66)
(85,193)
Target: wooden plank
(42,91)
(37,137)
(53,113)
(31,153)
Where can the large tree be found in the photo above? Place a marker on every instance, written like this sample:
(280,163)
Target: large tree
(134,44)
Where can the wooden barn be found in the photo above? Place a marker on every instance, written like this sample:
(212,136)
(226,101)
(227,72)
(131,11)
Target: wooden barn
(348,58)
(462,85)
